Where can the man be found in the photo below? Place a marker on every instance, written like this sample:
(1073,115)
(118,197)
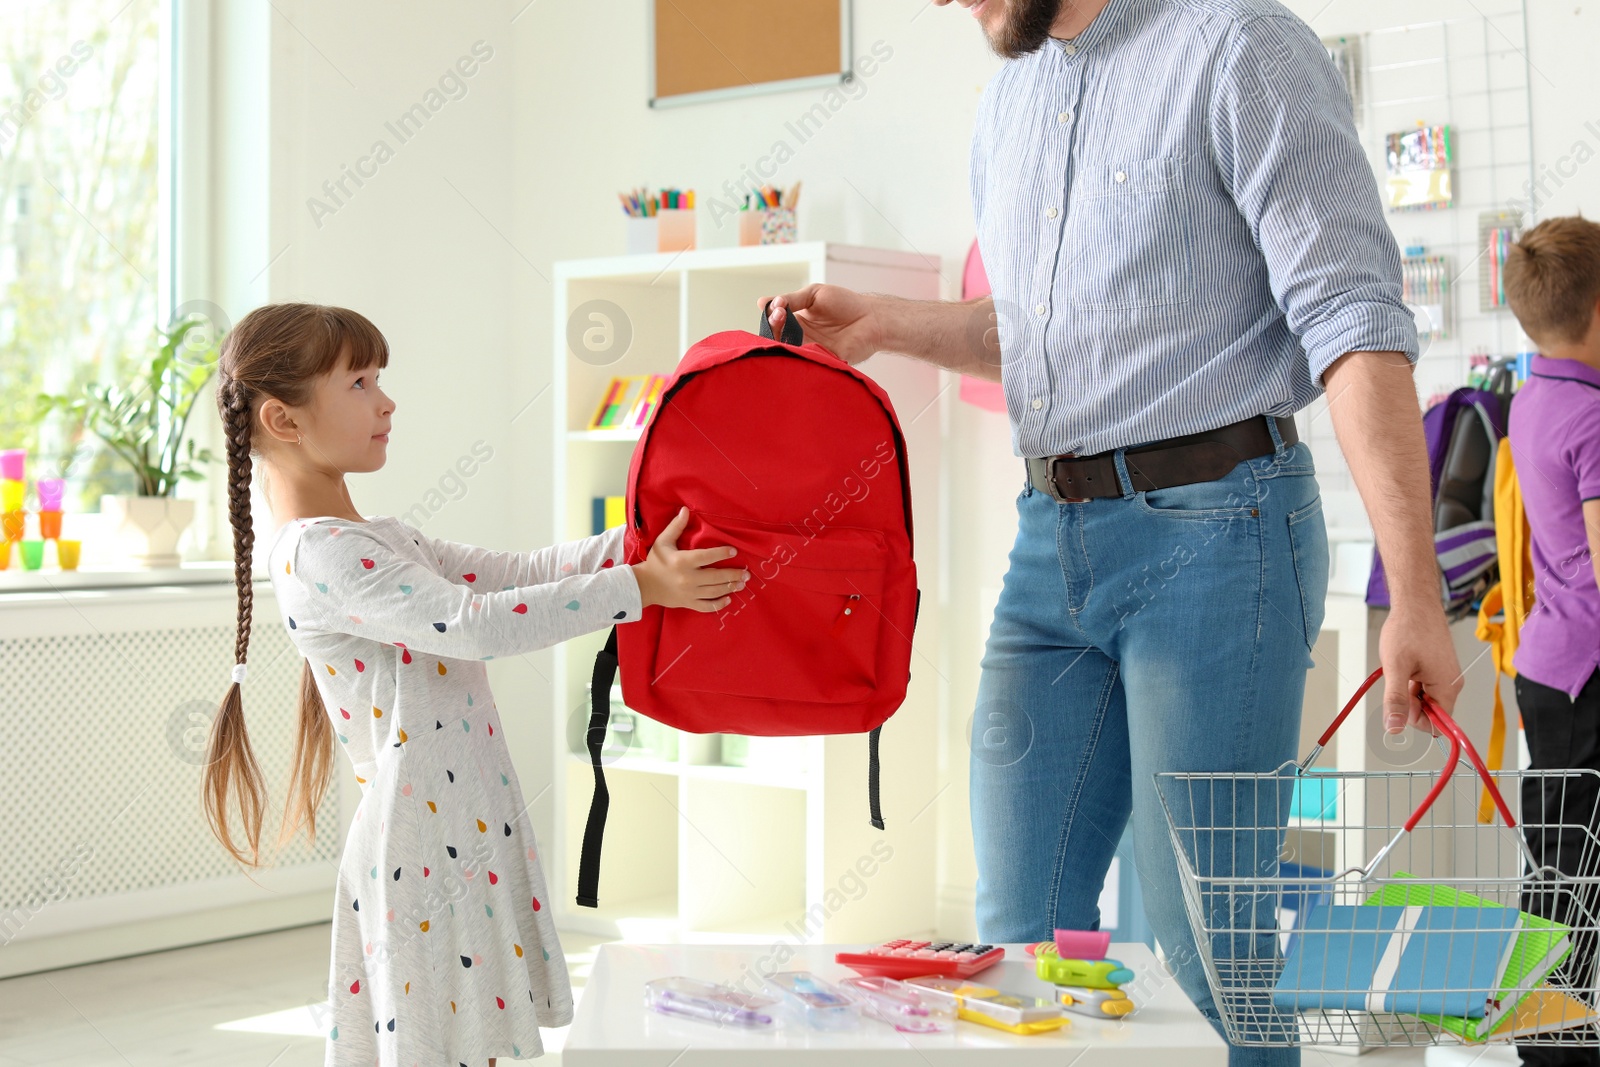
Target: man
(1186,246)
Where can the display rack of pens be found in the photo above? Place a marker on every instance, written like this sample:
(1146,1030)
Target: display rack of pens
(659,222)
(767,216)
(1419,164)
(1426,288)
(1497,231)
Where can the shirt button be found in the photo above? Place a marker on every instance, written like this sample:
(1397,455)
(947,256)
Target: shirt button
(1039,309)
(1071,49)
(1064,117)
(1122,175)
(1037,403)
(1051,213)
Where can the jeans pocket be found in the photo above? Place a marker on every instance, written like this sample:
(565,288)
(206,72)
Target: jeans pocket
(1308,540)
(1233,496)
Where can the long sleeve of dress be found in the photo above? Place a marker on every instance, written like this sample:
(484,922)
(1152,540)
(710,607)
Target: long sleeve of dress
(485,568)
(350,581)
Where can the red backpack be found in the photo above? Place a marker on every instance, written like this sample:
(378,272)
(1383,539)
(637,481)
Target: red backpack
(796,459)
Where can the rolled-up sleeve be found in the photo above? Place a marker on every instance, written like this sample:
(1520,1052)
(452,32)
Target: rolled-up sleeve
(1286,147)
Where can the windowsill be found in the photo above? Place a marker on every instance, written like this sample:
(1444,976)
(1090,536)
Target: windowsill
(17,580)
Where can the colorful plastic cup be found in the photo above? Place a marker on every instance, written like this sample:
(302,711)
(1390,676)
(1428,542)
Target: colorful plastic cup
(32,553)
(13,523)
(5,553)
(12,493)
(50,525)
(67,554)
(51,491)
(13,461)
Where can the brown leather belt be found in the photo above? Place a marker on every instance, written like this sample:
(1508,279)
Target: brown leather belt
(1196,457)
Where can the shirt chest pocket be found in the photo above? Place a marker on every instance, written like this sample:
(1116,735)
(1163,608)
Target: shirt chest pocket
(1127,235)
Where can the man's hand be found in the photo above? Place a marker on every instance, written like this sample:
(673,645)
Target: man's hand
(854,326)
(1418,649)
(686,578)
(1372,400)
(839,319)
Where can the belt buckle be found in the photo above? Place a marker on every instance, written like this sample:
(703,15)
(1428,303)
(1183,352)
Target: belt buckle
(1050,480)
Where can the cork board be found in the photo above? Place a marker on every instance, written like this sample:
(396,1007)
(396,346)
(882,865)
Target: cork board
(732,47)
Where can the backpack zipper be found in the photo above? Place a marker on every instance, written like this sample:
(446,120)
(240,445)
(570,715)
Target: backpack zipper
(844,616)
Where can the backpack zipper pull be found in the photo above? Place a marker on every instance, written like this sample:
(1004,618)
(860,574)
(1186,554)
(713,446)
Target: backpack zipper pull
(844,616)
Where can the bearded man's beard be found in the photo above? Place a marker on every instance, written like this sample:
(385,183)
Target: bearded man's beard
(1026,26)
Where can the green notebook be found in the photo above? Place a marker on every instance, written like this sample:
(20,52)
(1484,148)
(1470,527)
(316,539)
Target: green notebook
(1542,944)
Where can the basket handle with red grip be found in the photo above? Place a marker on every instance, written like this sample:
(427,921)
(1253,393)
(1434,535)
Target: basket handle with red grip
(1457,740)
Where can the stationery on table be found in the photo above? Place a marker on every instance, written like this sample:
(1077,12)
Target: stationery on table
(1413,959)
(708,1002)
(991,1007)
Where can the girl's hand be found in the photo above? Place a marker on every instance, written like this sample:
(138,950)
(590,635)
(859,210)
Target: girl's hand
(685,578)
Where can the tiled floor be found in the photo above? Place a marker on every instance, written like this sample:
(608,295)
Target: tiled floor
(249,1001)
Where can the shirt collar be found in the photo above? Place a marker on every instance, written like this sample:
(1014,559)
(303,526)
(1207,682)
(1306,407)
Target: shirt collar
(1569,369)
(1103,23)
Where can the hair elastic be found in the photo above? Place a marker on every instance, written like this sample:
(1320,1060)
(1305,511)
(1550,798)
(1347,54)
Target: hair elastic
(239,673)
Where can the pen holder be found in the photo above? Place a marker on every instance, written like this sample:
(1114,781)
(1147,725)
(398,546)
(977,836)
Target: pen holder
(777,226)
(642,230)
(675,229)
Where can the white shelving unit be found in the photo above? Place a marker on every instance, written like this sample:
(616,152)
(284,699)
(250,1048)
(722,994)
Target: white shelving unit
(695,850)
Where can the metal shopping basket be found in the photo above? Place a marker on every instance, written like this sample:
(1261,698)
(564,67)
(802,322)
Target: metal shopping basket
(1252,873)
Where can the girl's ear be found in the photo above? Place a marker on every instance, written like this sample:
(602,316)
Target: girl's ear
(278,421)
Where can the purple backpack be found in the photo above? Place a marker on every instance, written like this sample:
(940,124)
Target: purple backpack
(1463,433)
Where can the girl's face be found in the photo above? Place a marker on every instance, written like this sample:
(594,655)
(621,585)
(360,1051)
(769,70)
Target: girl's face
(345,428)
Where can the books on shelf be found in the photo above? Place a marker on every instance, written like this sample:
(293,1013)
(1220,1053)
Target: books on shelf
(628,402)
(608,511)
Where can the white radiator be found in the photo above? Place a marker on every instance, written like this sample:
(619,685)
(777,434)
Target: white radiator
(106,697)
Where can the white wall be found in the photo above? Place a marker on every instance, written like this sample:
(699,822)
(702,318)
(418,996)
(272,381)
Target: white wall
(449,248)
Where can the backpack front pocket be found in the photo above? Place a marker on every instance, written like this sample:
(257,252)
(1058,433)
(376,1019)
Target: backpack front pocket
(805,627)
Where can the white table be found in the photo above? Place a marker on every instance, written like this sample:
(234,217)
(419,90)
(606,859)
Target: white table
(613,1028)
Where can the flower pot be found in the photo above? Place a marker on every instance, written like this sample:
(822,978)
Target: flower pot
(145,529)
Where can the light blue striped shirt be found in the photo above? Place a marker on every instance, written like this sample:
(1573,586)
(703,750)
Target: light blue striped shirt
(1179,225)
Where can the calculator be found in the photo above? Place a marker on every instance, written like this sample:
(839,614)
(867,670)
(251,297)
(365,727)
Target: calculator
(913,959)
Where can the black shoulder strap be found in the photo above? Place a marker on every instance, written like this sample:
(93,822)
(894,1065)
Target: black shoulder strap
(605,672)
(875,808)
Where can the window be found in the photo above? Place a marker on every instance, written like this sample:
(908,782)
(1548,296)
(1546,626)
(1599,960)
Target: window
(81,215)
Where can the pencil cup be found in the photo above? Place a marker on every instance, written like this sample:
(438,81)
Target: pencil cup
(32,553)
(12,461)
(50,525)
(749,227)
(777,226)
(14,522)
(12,491)
(67,554)
(50,491)
(675,229)
(641,235)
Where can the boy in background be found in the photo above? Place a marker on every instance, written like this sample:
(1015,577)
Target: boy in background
(1552,279)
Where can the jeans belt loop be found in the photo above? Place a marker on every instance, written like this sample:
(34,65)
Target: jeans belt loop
(1277,437)
(1124,479)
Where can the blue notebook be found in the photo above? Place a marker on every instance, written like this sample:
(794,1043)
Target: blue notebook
(1416,960)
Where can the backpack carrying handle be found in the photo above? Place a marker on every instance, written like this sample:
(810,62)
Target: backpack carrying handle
(792,334)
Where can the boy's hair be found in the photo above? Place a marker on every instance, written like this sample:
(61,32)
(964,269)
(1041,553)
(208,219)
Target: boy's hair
(1553,279)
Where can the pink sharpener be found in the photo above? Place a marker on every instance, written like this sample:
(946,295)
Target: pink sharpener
(1082,944)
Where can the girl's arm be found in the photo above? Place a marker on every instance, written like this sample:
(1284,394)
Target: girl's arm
(501,570)
(342,579)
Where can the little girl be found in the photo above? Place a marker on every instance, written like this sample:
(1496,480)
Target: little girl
(443,947)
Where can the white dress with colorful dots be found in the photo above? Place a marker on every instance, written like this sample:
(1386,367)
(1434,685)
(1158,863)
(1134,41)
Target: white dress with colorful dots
(444,952)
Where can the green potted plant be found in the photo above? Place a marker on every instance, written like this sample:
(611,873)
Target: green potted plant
(142,423)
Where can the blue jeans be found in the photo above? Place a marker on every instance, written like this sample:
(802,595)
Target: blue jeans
(1167,630)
